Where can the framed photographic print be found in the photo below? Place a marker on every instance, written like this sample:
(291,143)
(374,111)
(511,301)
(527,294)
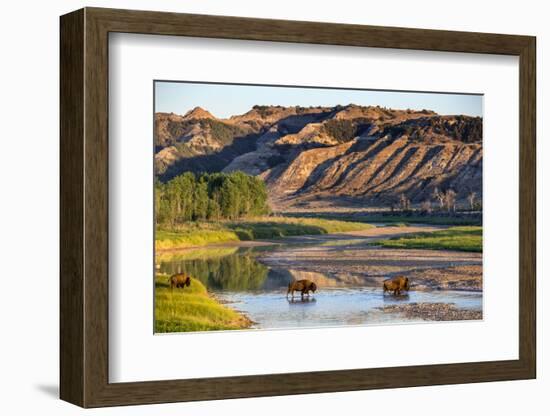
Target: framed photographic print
(255,207)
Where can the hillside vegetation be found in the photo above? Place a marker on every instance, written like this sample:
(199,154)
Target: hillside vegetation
(215,197)
(311,157)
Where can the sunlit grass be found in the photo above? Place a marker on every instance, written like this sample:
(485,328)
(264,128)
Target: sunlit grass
(391,219)
(198,253)
(468,238)
(192,237)
(205,233)
(192,309)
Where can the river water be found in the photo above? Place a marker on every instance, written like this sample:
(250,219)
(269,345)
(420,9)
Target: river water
(254,280)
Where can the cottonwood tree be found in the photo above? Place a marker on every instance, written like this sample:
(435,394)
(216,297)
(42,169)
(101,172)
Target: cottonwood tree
(450,200)
(472,200)
(426,206)
(393,203)
(439,197)
(200,200)
(213,196)
(404,202)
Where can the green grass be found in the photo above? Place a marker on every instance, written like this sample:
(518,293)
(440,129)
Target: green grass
(277,227)
(390,219)
(397,224)
(193,236)
(205,233)
(192,309)
(419,219)
(454,238)
(201,253)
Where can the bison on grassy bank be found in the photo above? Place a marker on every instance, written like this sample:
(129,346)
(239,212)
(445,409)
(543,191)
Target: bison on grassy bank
(179,280)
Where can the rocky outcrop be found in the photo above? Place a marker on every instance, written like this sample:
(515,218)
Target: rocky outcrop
(323,156)
(197,113)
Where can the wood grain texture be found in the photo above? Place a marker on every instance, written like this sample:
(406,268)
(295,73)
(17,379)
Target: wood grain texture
(528,207)
(162,23)
(71,100)
(84,207)
(96,219)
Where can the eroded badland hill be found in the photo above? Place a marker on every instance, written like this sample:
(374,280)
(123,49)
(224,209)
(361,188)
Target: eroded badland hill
(313,157)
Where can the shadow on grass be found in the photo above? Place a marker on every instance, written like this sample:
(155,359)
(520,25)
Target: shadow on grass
(266,230)
(436,218)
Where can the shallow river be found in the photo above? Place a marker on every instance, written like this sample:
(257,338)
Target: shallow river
(336,306)
(253,280)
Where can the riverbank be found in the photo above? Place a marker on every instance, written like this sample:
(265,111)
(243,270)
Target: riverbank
(433,312)
(352,258)
(251,277)
(358,258)
(192,309)
(197,234)
(460,278)
(374,216)
(454,238)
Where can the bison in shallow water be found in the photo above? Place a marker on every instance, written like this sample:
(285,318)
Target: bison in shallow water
(179,280)
(396,285)
(305,286)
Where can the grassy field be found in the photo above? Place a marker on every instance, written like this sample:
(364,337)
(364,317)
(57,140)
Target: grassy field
(194,235)
(419,219)
(454,238)
(204,233)
(389,219)
(201,253)
(192,309)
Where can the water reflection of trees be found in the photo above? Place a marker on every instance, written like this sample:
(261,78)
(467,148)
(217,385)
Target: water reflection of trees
(232,272)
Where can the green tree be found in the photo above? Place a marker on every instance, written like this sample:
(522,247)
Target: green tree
(258,197)
(212,196)
(182,190)
(200,199)
(229,198)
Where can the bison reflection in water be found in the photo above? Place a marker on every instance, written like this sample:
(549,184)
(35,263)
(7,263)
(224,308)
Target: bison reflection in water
(403,297)
(301,301)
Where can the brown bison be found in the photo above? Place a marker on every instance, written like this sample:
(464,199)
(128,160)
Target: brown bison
(396,285)
(305,286)
(179,280)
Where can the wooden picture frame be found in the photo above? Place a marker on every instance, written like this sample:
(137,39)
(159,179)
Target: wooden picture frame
(84,207)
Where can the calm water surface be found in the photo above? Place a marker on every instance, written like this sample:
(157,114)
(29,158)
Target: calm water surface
(238,277)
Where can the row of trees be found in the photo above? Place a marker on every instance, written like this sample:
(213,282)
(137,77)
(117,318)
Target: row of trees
(463,128)
(213,196)
(445,201)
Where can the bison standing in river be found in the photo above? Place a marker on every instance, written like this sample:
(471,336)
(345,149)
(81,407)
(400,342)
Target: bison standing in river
(396,285)
(305,286)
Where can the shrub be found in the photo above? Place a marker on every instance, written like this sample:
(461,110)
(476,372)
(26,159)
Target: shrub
(341,130)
